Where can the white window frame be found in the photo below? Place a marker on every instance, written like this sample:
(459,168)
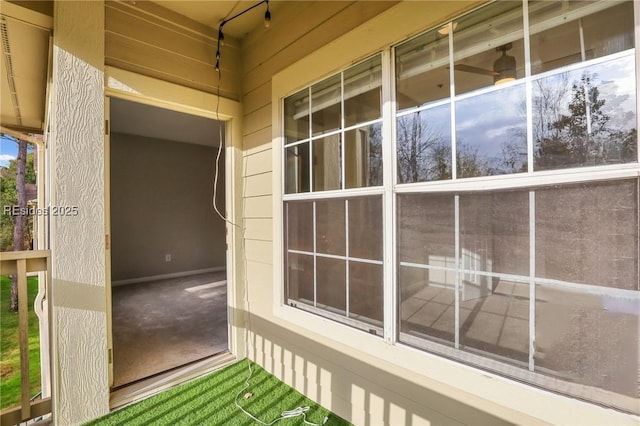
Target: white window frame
(518,402)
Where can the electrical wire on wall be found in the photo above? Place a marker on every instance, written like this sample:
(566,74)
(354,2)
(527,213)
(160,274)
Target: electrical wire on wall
(298,411)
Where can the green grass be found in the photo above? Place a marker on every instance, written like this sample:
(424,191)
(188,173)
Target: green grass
(210,401)
(9,345)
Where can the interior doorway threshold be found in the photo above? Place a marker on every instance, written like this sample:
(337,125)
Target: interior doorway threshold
(145,388)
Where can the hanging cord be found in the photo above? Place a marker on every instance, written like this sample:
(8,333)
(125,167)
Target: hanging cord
(217,168)
(296,412)
(289,414)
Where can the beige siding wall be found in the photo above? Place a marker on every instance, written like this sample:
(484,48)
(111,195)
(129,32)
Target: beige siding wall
(148,39)
(337,377)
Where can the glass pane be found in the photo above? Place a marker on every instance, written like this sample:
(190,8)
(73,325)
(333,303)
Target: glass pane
(588,234)
(297,168)
(488,47)
(363,92)
(496,319)
(327,171)
(365,292)
(491,133)
(299,226)
(426,229)
(601,38)
(300,277)
(494,234)
(422,69)
(586,117)
(365,227)
(426,238)
(427,303)
(556,26)
(424,145)
(363,156)
(558,46)
(296,116)
(325,105)
(589,338)
(331,284)
(330,227)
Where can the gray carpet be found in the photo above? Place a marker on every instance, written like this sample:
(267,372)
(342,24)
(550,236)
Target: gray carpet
(165,324)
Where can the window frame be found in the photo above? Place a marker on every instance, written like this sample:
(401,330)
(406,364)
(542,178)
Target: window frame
(385,191)
(342,51)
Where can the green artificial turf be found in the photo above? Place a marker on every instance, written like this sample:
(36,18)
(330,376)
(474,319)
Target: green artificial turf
(10,347)
(209,400)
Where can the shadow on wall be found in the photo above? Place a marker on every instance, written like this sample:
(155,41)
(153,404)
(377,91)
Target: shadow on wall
(351,388)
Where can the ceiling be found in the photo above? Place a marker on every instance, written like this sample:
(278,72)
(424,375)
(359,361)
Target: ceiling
(211,13)
(144,120)
(23,81)
(24,70)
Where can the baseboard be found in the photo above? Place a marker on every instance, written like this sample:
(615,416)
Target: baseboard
(167,276)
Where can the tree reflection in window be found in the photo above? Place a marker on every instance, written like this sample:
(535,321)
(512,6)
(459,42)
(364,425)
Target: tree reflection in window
(585,117)
(424,145)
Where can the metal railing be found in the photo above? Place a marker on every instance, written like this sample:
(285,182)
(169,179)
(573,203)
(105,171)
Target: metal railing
(21,263)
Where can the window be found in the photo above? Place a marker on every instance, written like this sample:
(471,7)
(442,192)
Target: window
(333,244)
(514,194)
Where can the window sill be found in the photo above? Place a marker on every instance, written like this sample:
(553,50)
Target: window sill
(499,396)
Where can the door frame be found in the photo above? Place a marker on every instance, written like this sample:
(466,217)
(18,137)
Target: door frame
(137,88)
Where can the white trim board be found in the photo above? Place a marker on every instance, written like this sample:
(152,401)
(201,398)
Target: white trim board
(167,276)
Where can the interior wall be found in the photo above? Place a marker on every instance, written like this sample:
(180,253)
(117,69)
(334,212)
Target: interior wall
(161,203)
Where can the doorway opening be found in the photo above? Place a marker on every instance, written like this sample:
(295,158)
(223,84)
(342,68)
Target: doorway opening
(168,245)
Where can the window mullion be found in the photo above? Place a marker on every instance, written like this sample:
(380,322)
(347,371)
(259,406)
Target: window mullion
(311,150)
(343,162)
(532,195)
(452,96)
(315,259)
(388,216)
(528,85)
(458,275)
(532,279)
(346,243)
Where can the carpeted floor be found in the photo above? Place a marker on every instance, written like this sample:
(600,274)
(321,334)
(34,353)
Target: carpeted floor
(165,324)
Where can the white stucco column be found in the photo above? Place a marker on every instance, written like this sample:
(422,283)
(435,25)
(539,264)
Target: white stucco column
(79,318)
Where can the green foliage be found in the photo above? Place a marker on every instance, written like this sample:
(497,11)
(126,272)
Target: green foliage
(9,345)
(9,197)
(210,401)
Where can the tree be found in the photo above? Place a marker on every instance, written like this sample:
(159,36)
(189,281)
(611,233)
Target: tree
(14,194)
(9,197)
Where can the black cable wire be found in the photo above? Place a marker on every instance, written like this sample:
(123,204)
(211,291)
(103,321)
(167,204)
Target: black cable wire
(267,17)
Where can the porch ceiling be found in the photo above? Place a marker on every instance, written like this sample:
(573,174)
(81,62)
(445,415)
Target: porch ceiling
(211,13)
(25,37)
